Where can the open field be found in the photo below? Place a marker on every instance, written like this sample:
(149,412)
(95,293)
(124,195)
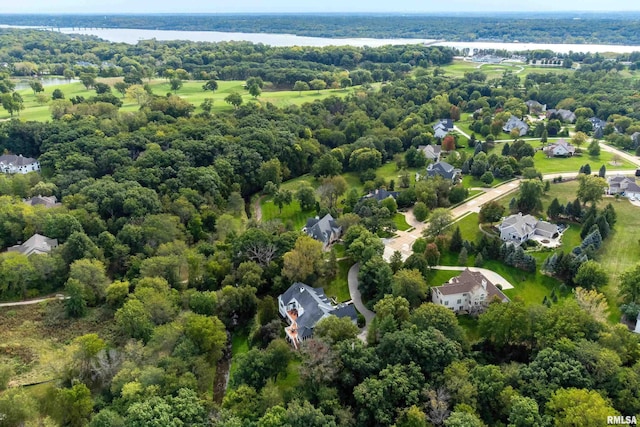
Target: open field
(459,67)
(338,288)
(572,164)
(190,91)
(36,351)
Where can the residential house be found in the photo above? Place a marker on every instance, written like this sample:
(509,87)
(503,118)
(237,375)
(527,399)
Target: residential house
(381,194)
(37,244)
(445,124)
(516,123)
(470,292)
(535,107)
(303,307)
(519,228)
(46,201)
(565,116)
(635,137)
(559,149)
(625,186)
(324,229)
(10,163)
(431,152)
(443,169)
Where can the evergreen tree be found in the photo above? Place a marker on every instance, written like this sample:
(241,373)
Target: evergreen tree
(587,169)
(545,136)
(478,149)
(603,226)
(594,238)
(505,149)
(479,262)
(555,209)
(610,213)
(603,171)
(456,240)
(463,257)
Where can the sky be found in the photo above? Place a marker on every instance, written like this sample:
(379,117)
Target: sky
(294,6)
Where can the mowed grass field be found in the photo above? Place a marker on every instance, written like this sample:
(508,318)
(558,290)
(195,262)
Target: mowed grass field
(459,67)
(190,91)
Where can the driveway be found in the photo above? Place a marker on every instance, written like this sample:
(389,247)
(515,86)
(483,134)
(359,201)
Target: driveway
(356,298)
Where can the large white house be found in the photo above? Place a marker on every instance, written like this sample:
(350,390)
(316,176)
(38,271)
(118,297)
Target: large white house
(519,228)
(36,245)
(560,149)
(303,307)
(10,163)
(469,292)
(623,185)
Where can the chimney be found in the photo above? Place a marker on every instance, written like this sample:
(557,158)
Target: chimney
(484,284)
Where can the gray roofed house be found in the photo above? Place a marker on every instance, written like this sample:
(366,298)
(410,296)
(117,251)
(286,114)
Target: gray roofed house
(37,244)
(440,133)
(445,124)
(10,163)
(623,185)
(380,194)
(559,149)
(469,292)
(46,201)
(598,126)
(566,116)
(431,152)
(516,123)
(443,169)
(519,228)
(535,107)
(303,307)
(324,229)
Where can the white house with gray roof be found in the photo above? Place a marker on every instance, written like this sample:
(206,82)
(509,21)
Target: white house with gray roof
(46,201)
(559,149)
(325,229)
(303,307)
(431,152)
(470,292)
(519,228)
(443,169)
(623,185)
(516,123)
(10,163)
(36,245)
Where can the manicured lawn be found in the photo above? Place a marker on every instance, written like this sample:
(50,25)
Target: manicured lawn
(190,91)
(468,181)
(291,381)
(440,277)
(401,222)
(291,212)
(338,288)
(470,326)
(571,237)
(339,250)
(469,230)
(572,164)
(531,287)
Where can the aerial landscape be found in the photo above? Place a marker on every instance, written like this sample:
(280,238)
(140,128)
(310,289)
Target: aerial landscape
(340,214)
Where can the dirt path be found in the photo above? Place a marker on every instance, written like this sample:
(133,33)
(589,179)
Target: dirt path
(33,301)
(257,209)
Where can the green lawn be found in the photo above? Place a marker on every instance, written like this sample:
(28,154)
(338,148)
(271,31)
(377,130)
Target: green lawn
(470,326)
(401,222)
(531,287)
(338,288)
(468,181)
(190,91)
(572,164)
(291,381)
(291,212)
(440,277)
(239,345)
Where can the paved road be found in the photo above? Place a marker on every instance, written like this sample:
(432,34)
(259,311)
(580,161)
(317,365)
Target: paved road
(404,239)
(31,301)
(356,298)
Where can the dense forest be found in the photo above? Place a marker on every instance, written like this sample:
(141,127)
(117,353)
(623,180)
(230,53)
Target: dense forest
(165,266)
(536,28)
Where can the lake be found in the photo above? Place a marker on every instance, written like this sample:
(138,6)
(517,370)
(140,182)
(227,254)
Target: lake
(132,36)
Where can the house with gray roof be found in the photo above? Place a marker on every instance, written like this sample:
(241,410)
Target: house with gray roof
(380,194)
(431,152)
(535,107)
(10,163)
(598,126)
(566,116)
(46,201)
(445,124)
(560,148)
(325,229)
(623,185)
(303,307)
(443,169)
(470,292)
(519,228)
(36,245)
(516,123)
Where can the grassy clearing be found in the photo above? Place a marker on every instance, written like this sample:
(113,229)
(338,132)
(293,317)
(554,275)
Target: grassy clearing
(459,67)
(401,222)
(572,164)
(190,91)
(290,382)
(469,181)
(440,277)
(338,288)
(35,340)
(291,212)
(239,345)
(470,325)
(531,287)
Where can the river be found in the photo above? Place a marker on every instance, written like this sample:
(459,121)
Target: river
(132,36)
